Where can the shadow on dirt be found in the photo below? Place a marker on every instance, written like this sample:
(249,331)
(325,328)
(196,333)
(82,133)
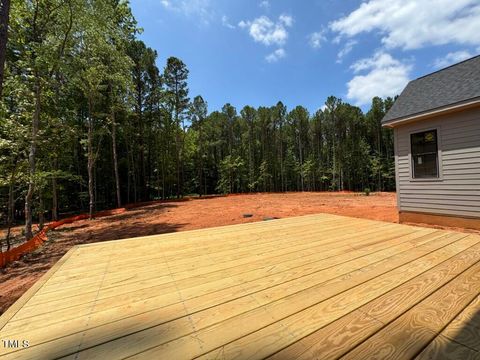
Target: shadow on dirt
(126,231)
(72,228)
(138,213)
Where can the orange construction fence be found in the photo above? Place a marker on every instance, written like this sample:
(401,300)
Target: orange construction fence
(35,242)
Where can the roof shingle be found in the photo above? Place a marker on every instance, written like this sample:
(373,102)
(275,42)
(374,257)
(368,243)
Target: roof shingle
(455,84)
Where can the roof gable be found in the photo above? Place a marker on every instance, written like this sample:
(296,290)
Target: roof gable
(453,85)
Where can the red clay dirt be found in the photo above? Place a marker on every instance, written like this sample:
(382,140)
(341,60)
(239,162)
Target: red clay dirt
(167,217)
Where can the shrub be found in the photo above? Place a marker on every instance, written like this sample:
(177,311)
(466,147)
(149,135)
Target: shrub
(366,191)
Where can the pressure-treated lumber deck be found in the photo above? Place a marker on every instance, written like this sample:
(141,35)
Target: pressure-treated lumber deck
(319,286)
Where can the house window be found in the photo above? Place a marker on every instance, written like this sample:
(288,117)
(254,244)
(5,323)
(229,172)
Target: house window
(424,154)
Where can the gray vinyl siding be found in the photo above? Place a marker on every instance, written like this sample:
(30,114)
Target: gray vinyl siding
(457,191)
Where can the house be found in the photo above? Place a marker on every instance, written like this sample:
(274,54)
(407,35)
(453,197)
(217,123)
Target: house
(436,123)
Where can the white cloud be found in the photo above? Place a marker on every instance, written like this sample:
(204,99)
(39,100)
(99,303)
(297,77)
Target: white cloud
(268,32)
(452,58)
(412,24)
(385,76)
(198,9)
(286,19)
(226,23)
(276,55)
(345,50)
(379,60)
(316,39)
(264,4)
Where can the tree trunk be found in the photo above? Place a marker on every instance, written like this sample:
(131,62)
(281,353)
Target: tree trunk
(140,139)
(55,192)
(90,172)
(90,161)
(41,213)
(301,160)
(182,165)
(31,162)
(95,188)
(163,176)
(142,169)
(200,172)
(128,173)
(4,17)
(379,152)
(158,181)
(177,150)
(134,175)
(282,179)
(250,155)
(115,159)
(201,176)
(334,168)
(11,204)
(128,183)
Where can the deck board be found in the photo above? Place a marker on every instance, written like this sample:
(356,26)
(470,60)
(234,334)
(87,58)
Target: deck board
(446,349)
(465,328)
(311,287)
(359,325)
(418,327)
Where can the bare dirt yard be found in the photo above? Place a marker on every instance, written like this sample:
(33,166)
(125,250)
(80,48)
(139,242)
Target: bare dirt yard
(165,217)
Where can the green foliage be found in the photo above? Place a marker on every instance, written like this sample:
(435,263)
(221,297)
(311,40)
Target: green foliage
(230,174)
(175,76)
(103,93)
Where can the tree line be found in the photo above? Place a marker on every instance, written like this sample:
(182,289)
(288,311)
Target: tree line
(90,121)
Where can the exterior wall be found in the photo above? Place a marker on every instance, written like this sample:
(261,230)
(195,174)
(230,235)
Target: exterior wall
(457,191)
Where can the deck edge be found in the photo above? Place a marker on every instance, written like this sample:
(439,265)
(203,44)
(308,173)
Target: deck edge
(17,305)
(98,243)
(194,231)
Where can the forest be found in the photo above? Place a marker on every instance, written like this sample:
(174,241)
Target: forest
(89,120)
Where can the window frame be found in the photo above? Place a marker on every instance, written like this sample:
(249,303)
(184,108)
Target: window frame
(439,155)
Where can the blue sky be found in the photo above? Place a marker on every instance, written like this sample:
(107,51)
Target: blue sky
(257,52)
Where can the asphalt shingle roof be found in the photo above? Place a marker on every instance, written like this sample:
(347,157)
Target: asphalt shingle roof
(455,84)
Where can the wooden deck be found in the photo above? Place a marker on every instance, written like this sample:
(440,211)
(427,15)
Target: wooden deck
(312,287)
